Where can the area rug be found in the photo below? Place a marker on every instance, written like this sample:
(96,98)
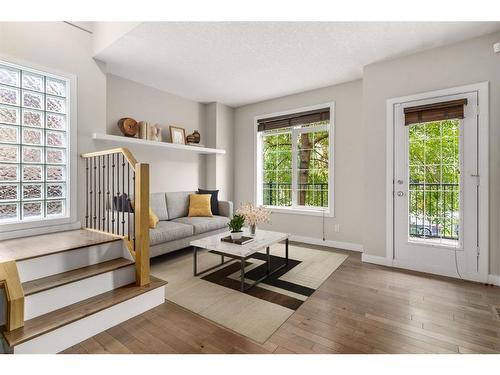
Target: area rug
(258,312)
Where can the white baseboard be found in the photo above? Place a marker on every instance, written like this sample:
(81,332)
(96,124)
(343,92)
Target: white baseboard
(374,259)
(494,280)
(383,261)
(329,243)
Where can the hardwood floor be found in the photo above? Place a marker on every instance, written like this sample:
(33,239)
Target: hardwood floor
(361,308)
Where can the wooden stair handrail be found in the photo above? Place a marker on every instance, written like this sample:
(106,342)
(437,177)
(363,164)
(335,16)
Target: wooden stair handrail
(10,281)
(120,150)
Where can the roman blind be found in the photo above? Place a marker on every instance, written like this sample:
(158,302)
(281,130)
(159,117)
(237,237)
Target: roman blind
(448,110)
(301,118)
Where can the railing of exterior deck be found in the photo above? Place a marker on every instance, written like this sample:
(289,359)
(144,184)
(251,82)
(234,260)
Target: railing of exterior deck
(280,194)
(434,209)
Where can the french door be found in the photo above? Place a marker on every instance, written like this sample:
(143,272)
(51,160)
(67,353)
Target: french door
(436,191)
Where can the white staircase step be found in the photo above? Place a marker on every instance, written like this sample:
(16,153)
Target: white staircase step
(62,328)
(59,262)
(57,291)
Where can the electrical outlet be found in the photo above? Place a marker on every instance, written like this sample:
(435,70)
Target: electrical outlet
(337,228)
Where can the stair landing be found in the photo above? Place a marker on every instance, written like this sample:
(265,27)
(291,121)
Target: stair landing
(45,244)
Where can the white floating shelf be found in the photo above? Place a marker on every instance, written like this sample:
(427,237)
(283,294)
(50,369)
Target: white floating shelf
(118,139)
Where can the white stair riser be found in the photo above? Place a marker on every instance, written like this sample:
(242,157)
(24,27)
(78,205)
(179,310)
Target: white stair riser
(64,295)
(71,334)
(36,268)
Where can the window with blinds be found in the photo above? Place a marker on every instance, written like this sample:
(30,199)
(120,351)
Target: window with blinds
(294,160)
(34,123)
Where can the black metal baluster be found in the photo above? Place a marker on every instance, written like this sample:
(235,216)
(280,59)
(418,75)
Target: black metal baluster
(123,190)
(98,192)
(128,200)
(113,195)
(107,196)
(95,190)
(118,200)
(133,217)
(87,193)
(103,193)
(91,193)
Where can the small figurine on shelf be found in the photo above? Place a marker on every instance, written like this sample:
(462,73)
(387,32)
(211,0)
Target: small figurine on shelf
(194,138)
(156,133)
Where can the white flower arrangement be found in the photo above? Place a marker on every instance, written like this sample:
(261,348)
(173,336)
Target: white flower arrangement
(254,215)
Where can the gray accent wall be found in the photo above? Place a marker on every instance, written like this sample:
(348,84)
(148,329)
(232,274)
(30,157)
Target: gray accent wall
(348,155)
(463,63)
(169,170)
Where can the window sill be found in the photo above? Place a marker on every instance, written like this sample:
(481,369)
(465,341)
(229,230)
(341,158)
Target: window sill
(38,227)
(300,211)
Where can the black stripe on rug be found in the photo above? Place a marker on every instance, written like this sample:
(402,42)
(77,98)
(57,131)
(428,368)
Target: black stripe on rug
(221,277)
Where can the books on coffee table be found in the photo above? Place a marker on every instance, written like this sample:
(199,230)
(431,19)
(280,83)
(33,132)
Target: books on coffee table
(241,241)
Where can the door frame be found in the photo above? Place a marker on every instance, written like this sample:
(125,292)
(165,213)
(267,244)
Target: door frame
(482,89)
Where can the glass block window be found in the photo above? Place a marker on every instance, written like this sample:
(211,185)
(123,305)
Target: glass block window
(34,123)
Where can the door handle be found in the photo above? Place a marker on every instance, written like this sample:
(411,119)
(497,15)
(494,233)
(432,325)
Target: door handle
(400,193)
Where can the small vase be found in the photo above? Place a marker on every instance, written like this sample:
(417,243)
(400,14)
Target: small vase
(253,229)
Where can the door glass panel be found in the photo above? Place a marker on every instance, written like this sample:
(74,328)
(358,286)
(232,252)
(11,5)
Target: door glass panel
(434,182)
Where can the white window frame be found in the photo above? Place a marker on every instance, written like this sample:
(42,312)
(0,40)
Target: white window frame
(69,221)
(258,172)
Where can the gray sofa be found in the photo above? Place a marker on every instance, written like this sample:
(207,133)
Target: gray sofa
(175,229)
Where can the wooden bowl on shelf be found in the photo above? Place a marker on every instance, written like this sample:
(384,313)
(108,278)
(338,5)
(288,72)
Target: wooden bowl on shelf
(128,126)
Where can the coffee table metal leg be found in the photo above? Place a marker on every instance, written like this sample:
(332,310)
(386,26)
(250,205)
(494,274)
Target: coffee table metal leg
(195,251)
(242,275)
(268,264)
(286,251)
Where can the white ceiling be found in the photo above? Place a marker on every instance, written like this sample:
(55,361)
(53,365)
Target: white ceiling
(246,62)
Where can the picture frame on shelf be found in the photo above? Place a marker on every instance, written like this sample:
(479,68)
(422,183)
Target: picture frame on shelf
(177,135)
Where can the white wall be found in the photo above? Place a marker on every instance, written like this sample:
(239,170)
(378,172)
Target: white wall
(348,163)
(62,47)
(463,63)
(169,170)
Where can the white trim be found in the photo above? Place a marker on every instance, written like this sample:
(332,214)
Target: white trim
(482,89)
(329,243)
(299,211)
(19,229)
(494,280)
(330,212)
(374,259)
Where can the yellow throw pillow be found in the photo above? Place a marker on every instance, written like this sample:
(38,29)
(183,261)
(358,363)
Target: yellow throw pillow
(199,205)
(153,219)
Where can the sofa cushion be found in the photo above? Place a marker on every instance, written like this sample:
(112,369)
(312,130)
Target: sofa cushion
(214,199)
(199,205)
(204,224)
(177,204)
(158,203)
(166,231)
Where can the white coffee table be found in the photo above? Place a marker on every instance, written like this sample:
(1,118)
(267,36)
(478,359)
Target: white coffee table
(263,239)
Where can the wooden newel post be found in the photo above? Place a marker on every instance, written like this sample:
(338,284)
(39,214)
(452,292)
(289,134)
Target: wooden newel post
(9,280)
(142,223)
